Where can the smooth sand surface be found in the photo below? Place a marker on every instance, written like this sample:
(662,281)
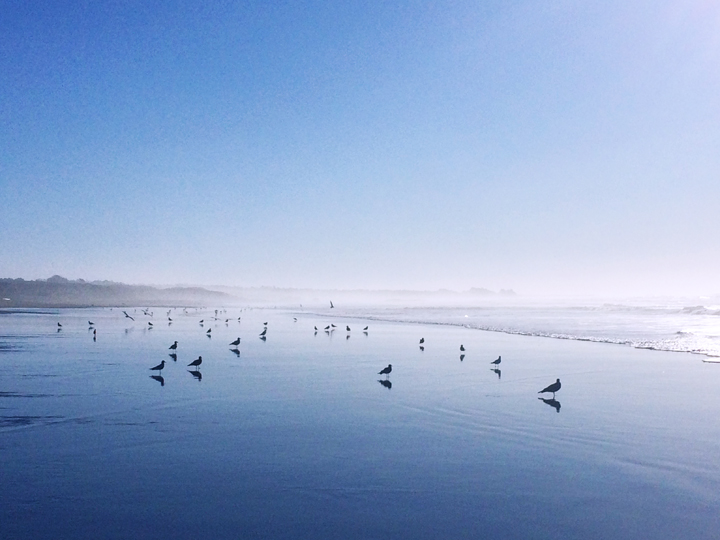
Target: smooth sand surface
(299,437)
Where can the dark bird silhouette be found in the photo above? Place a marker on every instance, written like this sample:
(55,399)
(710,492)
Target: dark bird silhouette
(209,330)
(422,340)
(365,329)
(173,347)
(331,304)
(347,328)
(264,324)
(91,323)
(327,328)
(128,316)
(158,378)
(333,325)
(552,402)
(159,367)
(462,347)
(387,384)
(236,342)
(294,319)
(385,371)
(59,325)
(554,387)
(497,361)
(150,324)
(202,321)
(196,363)
(263,332)
(315,327)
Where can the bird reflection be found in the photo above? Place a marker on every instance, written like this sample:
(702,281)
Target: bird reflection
(158,378)
(264,338)
(387,384)
(462,357)
(497,371)
(422,348)
(347,337)
(173,356)
(236,351)
(196,374)
(552,402)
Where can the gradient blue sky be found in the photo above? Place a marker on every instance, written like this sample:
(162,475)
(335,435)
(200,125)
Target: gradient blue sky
(544,146)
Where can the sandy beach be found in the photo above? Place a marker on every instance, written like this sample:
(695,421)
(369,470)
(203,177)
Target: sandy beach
(298,436)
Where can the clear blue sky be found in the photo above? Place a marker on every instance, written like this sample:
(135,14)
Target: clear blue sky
(544,146)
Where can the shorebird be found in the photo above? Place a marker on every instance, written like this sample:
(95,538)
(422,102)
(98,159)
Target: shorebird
(315,328)
(196,363)
(462,347)
(128,316)
(159,367)
(59,325)
(262,334)
(385,371)
(554,387)
(264,324)
(208,330)
(327,328)
(173,347)
(497,362)
(236,342)
(347,328)
(90,323)
(365,329)
(294,319)
(422,340)
(150,324)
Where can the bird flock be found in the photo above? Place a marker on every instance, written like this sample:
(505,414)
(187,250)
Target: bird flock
(328,329)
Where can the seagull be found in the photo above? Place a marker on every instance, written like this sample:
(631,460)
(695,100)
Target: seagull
(209,330)
(196,363)
(128,316)
(315,328)
(333,326)
(59,325)
(263,332)
(462,347)
(202,321)
(149,323)
(173,347)
(422,340)
(554,387)
(159,367)
(347,328)
(236,342)
(497,362)
(264,324)
(90,323)
(385,371)
(365,329)
(294,319)
(327,328)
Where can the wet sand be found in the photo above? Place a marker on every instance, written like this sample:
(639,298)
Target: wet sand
(298,436)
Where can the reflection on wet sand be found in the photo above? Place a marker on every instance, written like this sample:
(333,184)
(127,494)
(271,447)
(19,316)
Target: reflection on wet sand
(387,384)
(158,378)
(196,374)
(552,402)
(497,372)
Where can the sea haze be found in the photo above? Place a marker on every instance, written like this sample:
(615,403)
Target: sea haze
(297,436)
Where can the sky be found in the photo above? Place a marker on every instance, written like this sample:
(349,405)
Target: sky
(550,147)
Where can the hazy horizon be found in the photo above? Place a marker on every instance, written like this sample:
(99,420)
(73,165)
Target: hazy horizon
(548,148)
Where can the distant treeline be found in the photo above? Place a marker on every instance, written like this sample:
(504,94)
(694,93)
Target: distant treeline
(60,292)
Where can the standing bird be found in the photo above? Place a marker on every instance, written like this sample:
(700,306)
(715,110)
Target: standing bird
(422,340)
(236,342)
(462,348)
(150,324)
(347,328)
(196,363)
(173,347)
(59,325)
(262,334)
(385,371)
(209,331)
(90,323)
(159,367)
(554,387)
(497,362)
(128,316)
(365,329)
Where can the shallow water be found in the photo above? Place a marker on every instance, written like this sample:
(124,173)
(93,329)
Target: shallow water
(297,437)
